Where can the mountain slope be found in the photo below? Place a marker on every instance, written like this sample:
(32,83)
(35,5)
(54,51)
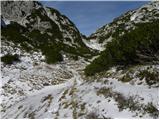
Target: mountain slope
(137,45)
(125,23)
(42,28)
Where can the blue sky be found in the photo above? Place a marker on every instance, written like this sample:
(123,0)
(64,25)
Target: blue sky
(88,16)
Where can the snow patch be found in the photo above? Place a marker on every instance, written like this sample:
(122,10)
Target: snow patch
(93,43)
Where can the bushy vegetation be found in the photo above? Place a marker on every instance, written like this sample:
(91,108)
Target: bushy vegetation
(106,92)
(151,78)
(126,78)
(104,37)
(13,28)
(52,55)
(152,110)
(135,47)
(9,59)
(13,32)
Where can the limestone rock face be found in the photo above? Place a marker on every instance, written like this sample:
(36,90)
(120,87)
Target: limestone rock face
(16,10)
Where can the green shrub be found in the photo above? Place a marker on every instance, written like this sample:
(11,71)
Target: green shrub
(150,77)
(52,55)
(9,59)
(152,110)
(15,33)
(130,103)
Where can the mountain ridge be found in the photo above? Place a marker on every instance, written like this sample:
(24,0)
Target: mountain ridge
(124,23)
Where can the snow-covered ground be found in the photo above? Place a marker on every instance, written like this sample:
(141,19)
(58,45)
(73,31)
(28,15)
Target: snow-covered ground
(62,91)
